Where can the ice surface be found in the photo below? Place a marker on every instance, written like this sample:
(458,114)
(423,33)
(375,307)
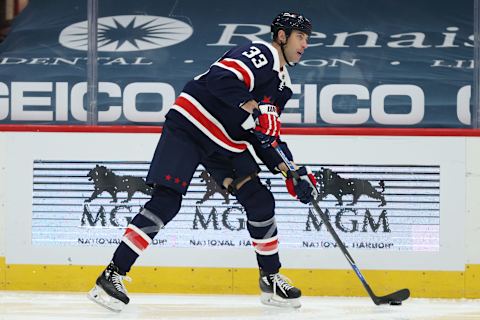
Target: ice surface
(70,306)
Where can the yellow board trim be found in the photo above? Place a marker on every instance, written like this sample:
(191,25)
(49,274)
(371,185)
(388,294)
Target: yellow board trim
(2,273)
(425,284)
(472,281)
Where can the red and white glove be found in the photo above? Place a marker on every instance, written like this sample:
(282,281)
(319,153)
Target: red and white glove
(267,123)
(303,187)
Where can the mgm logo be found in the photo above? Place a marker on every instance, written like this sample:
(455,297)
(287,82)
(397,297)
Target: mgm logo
(108,182)
(232,218)
(347,219)
(107,218)
(350,220)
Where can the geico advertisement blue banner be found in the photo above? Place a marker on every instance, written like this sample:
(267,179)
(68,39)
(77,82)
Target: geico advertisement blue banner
(369,63)
(372,207)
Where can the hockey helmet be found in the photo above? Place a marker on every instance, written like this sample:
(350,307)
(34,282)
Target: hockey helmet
(289,21)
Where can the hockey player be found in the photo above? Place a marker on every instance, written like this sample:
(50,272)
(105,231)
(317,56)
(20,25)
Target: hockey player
(235,103)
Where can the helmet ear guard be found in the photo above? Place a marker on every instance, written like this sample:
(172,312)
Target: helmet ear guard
(289,21)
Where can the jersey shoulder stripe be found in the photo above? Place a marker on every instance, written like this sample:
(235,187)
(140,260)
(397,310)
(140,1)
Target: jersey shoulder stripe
(240,69)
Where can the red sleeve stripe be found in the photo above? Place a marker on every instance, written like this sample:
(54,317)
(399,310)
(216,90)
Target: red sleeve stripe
(136,239)
(240,69)
(191,109)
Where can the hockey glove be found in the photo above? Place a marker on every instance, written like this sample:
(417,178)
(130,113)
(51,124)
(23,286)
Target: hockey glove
(303,188)
(267,123)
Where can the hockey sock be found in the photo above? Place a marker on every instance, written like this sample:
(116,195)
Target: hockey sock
(157,212)
(259,205)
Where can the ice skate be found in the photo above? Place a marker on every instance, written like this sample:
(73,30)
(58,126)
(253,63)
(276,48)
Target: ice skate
(109,290)
(276,290)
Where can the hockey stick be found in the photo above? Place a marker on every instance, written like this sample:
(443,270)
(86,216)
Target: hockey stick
(394,298)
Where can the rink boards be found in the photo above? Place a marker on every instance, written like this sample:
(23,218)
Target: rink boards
(415,226)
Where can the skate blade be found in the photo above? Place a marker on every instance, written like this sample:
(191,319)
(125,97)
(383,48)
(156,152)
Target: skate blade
(273,300)
(98,295)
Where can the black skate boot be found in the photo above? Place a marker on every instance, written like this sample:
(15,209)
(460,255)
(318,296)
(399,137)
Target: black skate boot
(278,291)
(109,290)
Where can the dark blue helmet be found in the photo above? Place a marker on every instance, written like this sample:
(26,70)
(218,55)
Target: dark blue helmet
(289,21)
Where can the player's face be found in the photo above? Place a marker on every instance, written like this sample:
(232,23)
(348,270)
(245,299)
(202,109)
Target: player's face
(296,45)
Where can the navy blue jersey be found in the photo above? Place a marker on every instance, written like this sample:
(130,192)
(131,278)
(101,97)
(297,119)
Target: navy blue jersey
(212,101)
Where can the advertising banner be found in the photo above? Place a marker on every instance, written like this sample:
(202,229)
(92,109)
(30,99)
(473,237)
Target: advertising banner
(370,63)
(372,207)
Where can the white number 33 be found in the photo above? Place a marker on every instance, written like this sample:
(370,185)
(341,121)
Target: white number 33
(254,54)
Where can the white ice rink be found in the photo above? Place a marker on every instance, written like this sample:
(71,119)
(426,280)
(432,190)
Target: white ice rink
(70,306)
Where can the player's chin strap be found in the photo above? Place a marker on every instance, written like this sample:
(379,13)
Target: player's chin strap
(282,45)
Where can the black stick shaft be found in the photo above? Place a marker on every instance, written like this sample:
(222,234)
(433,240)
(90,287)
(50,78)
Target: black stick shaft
(342,247)
(332,231)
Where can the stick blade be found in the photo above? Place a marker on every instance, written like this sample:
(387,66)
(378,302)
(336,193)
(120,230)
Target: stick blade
(397,296)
